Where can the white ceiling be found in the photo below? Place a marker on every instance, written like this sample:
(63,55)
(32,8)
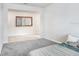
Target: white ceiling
(38,4)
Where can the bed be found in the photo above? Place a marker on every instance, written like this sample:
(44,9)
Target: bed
(39,47)
(55,50)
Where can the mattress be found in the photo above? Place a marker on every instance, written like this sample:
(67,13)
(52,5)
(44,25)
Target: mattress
(23,48)
(54,50)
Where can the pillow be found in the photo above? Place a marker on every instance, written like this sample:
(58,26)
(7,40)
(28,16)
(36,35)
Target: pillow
(72,41)
(72,38)
(74,44)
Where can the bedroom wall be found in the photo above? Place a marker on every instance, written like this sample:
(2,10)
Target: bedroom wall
(3,25)
(19,7)
(0,27)
(13,30)
(61,19)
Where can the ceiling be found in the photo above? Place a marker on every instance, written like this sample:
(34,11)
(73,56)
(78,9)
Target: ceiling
(37,4)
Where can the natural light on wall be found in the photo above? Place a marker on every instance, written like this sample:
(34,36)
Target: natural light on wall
(13,30)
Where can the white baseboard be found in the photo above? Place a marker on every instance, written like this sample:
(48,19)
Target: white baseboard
(56,41)
(53,40)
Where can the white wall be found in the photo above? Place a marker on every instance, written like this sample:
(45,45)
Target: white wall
(5,23)
(0,27)
(42,23)
(61,20)
(13,30)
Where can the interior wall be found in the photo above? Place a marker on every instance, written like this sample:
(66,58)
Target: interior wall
(61,19)
(4,23)
(13,30)
(42,22)
(0,27)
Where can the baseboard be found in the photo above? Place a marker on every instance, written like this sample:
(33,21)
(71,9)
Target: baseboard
(56,41)
(53,40)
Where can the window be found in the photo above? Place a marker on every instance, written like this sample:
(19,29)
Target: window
(23,21)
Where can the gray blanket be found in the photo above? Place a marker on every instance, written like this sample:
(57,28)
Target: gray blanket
(23,48)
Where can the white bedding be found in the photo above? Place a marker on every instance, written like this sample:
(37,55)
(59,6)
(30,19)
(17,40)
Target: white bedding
(54,50)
